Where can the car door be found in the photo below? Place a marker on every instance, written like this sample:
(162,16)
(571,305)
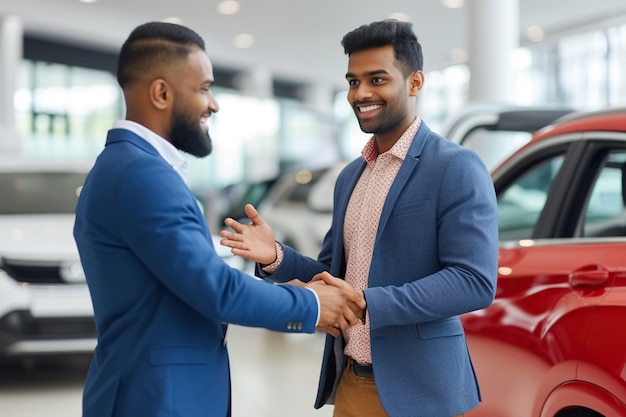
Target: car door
(556,201)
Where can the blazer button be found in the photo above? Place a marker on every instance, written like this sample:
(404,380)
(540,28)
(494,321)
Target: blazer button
(299,325)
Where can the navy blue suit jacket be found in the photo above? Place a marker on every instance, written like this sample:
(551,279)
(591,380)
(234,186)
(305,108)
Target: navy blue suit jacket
(435,257)
(161,293)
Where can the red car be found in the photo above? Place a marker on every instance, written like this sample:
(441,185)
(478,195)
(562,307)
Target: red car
(553,343)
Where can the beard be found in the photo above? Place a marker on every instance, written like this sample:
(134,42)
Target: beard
(382,124)
(187,136)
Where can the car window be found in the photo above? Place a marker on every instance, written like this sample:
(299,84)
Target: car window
(494,146)
(604,213)
(39,192)
(521,203)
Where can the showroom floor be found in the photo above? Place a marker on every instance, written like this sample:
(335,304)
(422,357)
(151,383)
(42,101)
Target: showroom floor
(274,375)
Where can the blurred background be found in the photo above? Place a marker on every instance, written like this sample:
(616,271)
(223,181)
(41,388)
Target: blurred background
(283,129)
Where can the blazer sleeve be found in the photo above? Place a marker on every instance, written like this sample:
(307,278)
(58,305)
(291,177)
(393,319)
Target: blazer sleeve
(162,223)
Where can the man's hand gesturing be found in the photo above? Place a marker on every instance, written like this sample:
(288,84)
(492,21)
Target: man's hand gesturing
(254,241)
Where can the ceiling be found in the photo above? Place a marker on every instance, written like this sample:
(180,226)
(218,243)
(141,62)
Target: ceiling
(294,39)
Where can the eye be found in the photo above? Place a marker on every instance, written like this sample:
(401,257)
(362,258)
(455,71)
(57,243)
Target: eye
(378,80)
(353,83)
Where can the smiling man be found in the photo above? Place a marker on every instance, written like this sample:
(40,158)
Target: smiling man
(161,295)
(414,227)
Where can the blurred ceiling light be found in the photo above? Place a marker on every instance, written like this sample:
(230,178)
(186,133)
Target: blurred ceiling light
(228,7)
(303,177)
(402,17)
(459,55)
(452,4)
(88,1)
(175,20)
(243,41)
(535,33)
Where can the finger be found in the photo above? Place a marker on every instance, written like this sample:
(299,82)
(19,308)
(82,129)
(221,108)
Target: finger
(343,323)
(241,252)
(358,311)
(227,234)
(233,224)
(334,281)
(333,331)
(229,243)
(326,277)
(316,278)
(296,282)
(356,297)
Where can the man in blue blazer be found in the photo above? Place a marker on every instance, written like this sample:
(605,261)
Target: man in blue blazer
(414,227)
(161,294)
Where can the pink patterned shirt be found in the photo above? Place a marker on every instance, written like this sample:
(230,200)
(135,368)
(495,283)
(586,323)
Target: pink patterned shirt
(361,223)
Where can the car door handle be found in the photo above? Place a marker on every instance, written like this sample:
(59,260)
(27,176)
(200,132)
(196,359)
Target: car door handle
(589,277)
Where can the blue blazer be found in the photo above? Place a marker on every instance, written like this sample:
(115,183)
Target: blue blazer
(435,257)
(161,294)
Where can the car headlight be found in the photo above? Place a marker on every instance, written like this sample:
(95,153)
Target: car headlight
(72,272)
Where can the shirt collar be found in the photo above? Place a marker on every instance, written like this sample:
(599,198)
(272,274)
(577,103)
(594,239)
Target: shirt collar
(399,149)
(167,151)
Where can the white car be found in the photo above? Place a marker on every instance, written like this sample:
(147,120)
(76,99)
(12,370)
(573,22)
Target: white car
(45,306)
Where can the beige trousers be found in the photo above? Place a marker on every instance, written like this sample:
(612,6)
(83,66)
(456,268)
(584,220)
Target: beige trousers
(357,397)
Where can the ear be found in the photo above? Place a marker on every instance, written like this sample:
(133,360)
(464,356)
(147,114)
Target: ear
(416,82)
(161,94)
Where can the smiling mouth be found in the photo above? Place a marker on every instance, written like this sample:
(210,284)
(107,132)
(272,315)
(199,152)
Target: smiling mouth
(371,107)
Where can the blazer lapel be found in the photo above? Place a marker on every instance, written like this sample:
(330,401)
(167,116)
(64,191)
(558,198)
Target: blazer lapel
(406,170)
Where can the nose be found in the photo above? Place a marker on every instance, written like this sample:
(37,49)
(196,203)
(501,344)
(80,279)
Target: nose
(214,107)
(360,92)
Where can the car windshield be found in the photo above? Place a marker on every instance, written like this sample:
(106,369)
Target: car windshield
(494,146)
(39,192)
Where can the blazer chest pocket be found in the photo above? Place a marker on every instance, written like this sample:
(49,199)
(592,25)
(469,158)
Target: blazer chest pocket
(411,208)
(449,327)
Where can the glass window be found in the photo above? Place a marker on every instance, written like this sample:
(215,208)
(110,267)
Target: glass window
(63,110)
(521,203)
(605,214)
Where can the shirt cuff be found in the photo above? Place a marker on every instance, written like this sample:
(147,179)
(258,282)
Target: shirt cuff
(271,268)
(317,300)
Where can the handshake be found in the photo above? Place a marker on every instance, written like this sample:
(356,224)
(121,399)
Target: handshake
(341,306)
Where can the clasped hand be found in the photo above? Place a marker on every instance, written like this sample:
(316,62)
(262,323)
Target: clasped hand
(340,305)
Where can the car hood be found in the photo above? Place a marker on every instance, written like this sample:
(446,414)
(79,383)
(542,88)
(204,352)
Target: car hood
(38,237)
(50,238)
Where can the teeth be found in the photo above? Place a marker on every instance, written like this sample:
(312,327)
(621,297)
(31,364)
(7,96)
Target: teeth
(369,108)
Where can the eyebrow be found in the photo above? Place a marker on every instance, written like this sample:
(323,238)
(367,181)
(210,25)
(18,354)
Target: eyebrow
(368,74)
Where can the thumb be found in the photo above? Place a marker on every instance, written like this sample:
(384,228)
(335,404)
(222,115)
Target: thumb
(253,214)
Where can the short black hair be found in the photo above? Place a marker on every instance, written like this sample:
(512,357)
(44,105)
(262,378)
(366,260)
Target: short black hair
(408,51)
(154,43)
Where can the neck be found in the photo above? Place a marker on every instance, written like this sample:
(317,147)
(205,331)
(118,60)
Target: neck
(386,140)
